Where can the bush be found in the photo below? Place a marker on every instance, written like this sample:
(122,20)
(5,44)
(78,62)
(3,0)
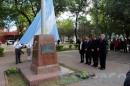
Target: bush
(12,70)
(60,47)
(1,51)
(82,74)
(71,41)
(76,46)
(70,46)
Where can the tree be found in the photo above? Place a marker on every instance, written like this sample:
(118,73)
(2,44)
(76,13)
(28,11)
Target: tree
(60,6)
(120,13)
(24,11)
(113,16)
(77,7)
(85,28)
(65,28)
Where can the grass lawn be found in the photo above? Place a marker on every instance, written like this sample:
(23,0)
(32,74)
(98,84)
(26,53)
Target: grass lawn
(63,81)
(16,80)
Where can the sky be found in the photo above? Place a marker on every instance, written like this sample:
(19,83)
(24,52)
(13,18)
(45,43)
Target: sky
(13,28)
(67,15)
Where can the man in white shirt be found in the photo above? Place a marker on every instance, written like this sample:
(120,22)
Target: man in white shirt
(18,51)
(29,51)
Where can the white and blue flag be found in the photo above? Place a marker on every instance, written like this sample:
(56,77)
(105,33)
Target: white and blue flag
(35,27)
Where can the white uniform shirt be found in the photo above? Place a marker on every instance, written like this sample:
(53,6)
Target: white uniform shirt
(17,45)
(81,45)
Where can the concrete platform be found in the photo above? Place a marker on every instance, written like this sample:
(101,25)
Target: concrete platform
(34,79)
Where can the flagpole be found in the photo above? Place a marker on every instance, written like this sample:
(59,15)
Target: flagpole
(42,17)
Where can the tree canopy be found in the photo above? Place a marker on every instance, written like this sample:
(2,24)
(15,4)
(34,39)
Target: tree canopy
(106,15)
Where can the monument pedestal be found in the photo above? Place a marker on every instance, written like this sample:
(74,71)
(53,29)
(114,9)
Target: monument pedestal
(44,58)
(44,61)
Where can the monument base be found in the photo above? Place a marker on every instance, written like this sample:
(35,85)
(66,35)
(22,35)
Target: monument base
(35,79)
(44,69)
(44,64)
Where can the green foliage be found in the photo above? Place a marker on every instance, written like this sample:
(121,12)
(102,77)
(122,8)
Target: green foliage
(84,26)
(1,52)
(60,6)
(12,70)
(77,6)
(66,28)
(60,47)
(76,45)
(16,80)
(70,46)
(113,16)
(24,11)
(82,74)
(66,47)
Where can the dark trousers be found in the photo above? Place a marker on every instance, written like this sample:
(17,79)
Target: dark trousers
(103,60)
(127,81)
(81,56)
(129,48)
(95,58)
(17,53)
(88,58)
(125,49)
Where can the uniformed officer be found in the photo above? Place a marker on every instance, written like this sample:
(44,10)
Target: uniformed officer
(18,51)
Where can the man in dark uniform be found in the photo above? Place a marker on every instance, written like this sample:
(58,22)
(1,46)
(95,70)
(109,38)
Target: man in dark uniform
(87,47)
(95,51)
(102,51)
(127,80)
(79,42)
(81,50)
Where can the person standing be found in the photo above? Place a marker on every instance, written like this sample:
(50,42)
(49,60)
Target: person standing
(102,52)
(87,48)
(18,51)
(81,50)
(79,43)
(95,51)
(127,80)
(128,40)
(29,51)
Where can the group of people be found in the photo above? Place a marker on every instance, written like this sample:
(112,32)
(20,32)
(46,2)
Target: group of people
(93,50)
(18,51)
(120,44)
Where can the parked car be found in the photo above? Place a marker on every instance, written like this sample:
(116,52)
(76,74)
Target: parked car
(10,42)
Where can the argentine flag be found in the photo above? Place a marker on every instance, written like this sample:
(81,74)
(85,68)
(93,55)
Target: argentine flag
(35,27)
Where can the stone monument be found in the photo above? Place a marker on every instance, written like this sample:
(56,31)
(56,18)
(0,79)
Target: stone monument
(44,64)
(44,58)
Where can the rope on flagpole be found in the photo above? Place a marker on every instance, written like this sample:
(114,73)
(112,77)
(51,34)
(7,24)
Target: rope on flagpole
(42,16)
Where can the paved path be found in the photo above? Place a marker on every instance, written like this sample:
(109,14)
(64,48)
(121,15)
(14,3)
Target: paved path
(117,66)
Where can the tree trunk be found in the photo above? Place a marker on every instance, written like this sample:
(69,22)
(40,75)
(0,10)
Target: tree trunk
(21,12)
(76,26)
(125,31)
(33,9)
(26,16)
(96,28)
